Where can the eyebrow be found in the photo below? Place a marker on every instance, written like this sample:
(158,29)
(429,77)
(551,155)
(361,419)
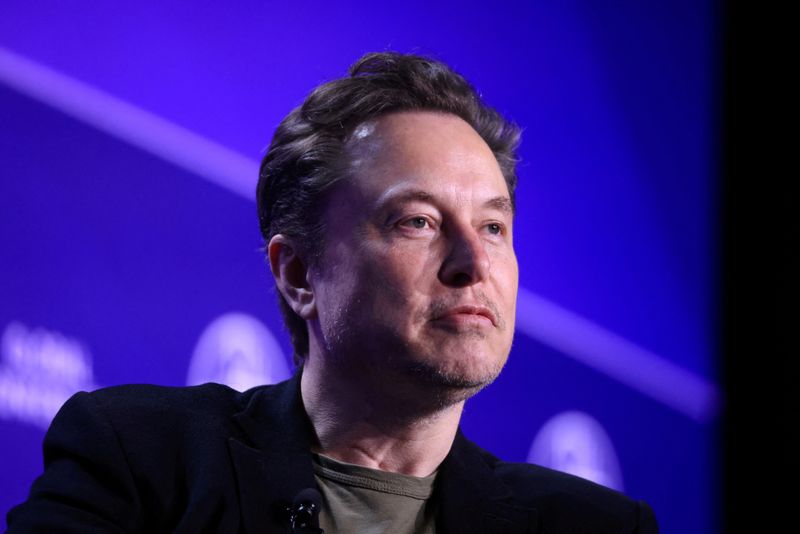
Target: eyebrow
(503,204)
(406,196)
(499,203)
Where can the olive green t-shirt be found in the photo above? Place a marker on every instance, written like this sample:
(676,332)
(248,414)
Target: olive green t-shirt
(361,500)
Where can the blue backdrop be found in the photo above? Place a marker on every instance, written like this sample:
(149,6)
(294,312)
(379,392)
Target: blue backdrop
(129,142)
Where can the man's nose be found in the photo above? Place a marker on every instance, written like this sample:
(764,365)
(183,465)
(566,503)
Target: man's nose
(467,261)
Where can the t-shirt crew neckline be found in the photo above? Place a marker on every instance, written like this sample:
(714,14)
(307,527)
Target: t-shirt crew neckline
(374,479)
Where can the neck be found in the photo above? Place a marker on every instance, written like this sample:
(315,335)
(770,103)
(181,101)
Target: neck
(357,422)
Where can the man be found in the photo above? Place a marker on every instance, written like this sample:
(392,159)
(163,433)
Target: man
(387,203)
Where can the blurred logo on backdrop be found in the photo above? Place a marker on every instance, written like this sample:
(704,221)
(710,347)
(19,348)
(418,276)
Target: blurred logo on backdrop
(576,443)
(39,370)
(237,350)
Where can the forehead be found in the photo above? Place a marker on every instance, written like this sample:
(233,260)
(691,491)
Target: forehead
(435,151)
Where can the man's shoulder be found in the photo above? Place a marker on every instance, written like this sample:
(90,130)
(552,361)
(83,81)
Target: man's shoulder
(565,501)
(206,398)
(535,483)
(151,409)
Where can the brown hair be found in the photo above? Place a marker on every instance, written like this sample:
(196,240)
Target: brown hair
(305,158)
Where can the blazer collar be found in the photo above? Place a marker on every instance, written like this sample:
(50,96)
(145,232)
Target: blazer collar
(273,463)
(473,499)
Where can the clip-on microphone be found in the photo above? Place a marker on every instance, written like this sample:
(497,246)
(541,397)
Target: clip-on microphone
(304,512)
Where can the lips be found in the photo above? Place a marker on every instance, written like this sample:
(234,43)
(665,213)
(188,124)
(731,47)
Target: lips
(468,313)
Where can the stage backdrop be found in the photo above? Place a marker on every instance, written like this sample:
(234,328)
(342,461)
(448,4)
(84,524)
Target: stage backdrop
(129,252)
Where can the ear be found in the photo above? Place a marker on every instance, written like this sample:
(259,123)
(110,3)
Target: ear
(291,276)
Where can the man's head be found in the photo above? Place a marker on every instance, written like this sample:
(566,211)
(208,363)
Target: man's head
(340,135)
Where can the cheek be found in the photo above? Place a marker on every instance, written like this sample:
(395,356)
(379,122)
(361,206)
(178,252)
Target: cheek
(397,277)
(512,274)
(506,278)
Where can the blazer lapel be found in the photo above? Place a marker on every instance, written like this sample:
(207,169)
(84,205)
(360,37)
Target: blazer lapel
(273,460)
(473,500)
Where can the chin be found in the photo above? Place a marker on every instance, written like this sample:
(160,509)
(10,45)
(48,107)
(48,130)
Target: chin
(458,382)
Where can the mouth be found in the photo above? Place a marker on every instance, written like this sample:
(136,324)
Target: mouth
(468,314)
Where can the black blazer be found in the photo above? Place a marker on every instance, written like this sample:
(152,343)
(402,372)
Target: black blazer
(209,459)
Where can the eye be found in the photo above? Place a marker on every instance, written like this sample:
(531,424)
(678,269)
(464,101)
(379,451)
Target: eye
(495,228)
(417,222)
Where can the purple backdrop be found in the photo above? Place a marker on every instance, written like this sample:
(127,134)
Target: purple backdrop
(129,142)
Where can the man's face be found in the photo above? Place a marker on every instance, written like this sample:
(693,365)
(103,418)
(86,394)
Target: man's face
(417,282)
